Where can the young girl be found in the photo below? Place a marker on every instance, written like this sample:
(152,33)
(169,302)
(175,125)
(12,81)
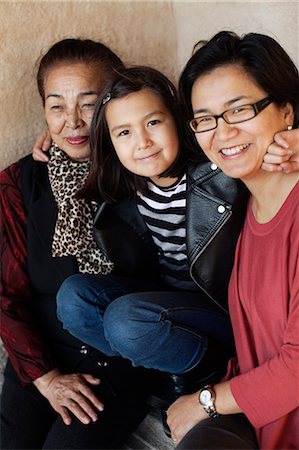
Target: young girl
(240,91)
(176,219)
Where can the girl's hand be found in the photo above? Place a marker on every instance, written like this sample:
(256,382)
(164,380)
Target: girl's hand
(42,144)
(183,415)
(70,393)
(283,153)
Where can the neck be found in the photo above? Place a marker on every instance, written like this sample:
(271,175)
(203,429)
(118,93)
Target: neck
(163,182)
(269,191)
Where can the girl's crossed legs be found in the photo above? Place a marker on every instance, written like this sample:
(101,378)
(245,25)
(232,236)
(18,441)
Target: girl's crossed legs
(143,321)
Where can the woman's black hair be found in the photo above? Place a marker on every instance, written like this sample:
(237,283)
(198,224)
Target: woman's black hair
(78,51)
(259,55)
(108,179)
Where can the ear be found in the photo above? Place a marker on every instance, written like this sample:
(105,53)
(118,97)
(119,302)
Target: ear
(288,112)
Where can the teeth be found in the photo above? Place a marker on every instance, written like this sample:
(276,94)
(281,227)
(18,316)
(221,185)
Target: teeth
(234,150)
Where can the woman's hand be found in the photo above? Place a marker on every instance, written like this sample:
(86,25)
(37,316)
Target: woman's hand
(283,153)
(70,393)
(186,411)
(42,144)
(183,415)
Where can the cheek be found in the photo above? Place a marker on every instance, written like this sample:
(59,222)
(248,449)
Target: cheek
(122,153)
(55,124)
(87,118)
(203,142)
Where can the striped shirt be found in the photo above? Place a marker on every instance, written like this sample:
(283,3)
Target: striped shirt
(164,211)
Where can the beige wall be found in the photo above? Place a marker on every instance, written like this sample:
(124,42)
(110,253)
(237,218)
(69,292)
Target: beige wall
(201,20)
(159,33)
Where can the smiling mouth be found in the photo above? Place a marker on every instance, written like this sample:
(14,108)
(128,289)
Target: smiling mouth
(152,155)
(78,140)
(234,150)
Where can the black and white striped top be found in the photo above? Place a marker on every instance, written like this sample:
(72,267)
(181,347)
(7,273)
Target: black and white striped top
(164,211)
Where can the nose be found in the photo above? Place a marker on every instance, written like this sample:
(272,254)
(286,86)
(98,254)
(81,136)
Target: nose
(225,130)
(143,140)
(73,119)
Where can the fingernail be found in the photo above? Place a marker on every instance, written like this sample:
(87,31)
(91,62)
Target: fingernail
(101,408)
(94,418)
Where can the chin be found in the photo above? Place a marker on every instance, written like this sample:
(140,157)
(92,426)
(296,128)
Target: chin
(78,155)
(236,174)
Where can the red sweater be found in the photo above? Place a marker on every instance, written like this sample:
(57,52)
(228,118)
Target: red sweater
(264,308)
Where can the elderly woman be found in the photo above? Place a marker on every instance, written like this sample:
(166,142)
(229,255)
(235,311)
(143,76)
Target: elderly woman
(54,385)
(239,92)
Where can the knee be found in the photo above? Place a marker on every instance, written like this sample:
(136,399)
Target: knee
(121,326)
(69,299)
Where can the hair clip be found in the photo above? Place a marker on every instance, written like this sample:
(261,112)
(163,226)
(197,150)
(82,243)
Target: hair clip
(106,98)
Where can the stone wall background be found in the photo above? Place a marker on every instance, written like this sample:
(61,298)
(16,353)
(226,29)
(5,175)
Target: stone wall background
(160,33)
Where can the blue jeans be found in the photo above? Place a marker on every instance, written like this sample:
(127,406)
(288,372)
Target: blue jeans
(143,321)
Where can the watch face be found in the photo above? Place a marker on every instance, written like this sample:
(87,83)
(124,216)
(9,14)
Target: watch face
(205,397)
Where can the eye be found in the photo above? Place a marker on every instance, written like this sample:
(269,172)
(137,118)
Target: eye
(56,108)
(123,133)
(153,122)
(88,106)
(202,121)
(239,109)
(205,119)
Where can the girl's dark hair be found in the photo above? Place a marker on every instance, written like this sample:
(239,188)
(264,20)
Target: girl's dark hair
(74,51)
(109,180)
(261,57)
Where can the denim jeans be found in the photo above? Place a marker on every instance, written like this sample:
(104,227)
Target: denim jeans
(145,322)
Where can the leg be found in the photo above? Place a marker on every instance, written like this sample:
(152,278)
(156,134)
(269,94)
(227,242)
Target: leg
(28,421)
(82,301)
(232,432)
(26,416)
(164,330)
(111,431)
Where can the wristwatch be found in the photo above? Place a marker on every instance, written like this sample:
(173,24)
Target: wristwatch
(207,399)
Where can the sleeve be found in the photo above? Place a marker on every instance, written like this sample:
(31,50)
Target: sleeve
(232,369)
(25,347)
(270,391)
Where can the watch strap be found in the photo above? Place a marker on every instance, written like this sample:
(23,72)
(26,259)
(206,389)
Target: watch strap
(210,409)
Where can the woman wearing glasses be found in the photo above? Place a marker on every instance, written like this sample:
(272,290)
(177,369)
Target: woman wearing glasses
(241,91)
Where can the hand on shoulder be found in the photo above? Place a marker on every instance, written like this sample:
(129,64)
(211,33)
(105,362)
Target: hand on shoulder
(283,153)
(41,146)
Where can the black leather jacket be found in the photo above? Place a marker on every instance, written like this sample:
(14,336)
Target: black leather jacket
(216,206)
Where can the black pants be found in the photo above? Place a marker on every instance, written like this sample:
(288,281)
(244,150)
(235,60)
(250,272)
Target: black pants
(231,432)
(29,422)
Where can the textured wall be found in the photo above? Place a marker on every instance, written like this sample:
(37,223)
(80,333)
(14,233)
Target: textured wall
(159,33)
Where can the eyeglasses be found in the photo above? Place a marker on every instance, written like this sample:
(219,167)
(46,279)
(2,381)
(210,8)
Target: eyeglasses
(233,115)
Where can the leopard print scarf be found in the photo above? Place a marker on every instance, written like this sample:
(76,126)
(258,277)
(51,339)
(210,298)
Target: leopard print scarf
(73,233)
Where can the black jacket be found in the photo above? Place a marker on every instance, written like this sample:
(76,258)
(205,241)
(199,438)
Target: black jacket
(216,206)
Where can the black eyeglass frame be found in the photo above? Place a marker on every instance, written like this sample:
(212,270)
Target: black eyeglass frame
(257,107)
